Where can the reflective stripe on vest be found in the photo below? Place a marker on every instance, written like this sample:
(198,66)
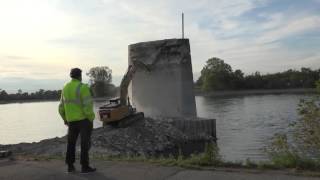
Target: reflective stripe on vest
(74,101)
(87,100)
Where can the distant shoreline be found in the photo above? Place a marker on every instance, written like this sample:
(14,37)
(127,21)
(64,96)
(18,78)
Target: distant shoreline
(197,93)
(256,92)
(27,101)
(99,99)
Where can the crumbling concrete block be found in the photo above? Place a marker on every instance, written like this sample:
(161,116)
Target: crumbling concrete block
(164,86)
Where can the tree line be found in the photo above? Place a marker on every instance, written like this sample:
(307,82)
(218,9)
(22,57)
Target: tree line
(218,75)
(100,82)
(215,75)
(41,94)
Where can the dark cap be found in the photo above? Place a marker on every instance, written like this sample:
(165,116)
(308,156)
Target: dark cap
(75,73)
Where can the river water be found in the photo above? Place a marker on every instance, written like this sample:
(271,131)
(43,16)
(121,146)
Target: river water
(245,124)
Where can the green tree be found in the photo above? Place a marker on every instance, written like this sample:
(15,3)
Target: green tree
(238,80)
(100,81)
(216,75)
(3,95)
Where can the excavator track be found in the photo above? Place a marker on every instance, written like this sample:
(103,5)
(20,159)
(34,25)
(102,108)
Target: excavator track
(127,121)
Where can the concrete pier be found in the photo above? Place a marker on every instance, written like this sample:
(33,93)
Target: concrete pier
(165,87)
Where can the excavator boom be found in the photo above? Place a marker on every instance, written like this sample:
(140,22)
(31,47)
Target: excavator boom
(125,84)
(119,110)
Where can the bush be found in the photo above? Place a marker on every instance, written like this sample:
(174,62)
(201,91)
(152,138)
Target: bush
(306,139)
(210,157)
(282,155)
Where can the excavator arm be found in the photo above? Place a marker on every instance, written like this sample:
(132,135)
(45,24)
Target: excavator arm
(125,83)
(127,79)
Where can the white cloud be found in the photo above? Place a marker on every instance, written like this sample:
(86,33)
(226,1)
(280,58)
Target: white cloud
(275,20)
(59,34)
(290,28)
(312,60)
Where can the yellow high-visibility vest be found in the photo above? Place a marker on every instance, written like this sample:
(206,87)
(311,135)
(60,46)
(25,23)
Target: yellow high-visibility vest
(76,102)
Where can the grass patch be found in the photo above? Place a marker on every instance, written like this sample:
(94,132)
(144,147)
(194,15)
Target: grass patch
(285,156)
(210,157)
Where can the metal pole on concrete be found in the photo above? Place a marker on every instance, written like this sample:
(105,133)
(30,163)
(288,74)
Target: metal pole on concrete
(182,26)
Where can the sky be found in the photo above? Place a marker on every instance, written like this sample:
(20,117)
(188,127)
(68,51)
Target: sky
(41,40)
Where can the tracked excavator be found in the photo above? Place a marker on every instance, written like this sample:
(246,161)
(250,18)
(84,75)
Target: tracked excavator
(119,112)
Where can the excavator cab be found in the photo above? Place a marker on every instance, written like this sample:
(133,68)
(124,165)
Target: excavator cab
(117,115)
(113,112)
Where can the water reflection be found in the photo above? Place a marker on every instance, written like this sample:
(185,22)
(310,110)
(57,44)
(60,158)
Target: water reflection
(245,124)
(31,122)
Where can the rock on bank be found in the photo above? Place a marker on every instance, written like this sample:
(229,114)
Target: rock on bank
(146,137)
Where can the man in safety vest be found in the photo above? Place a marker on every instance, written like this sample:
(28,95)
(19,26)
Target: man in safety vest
(76,109)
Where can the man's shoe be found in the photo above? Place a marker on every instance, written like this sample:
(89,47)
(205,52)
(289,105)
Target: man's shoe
(88,169)
(71,169)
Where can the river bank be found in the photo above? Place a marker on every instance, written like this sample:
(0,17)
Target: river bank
(146,137)
(199,92)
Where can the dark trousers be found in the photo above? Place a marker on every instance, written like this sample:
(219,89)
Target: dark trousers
(84,128)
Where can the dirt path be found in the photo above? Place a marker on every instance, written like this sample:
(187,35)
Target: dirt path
(56,169)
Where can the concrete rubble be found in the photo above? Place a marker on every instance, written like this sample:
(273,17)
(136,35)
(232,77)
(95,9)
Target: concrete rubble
(146,137)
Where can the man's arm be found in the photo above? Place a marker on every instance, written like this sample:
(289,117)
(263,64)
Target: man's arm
(87,102)
(61,109)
